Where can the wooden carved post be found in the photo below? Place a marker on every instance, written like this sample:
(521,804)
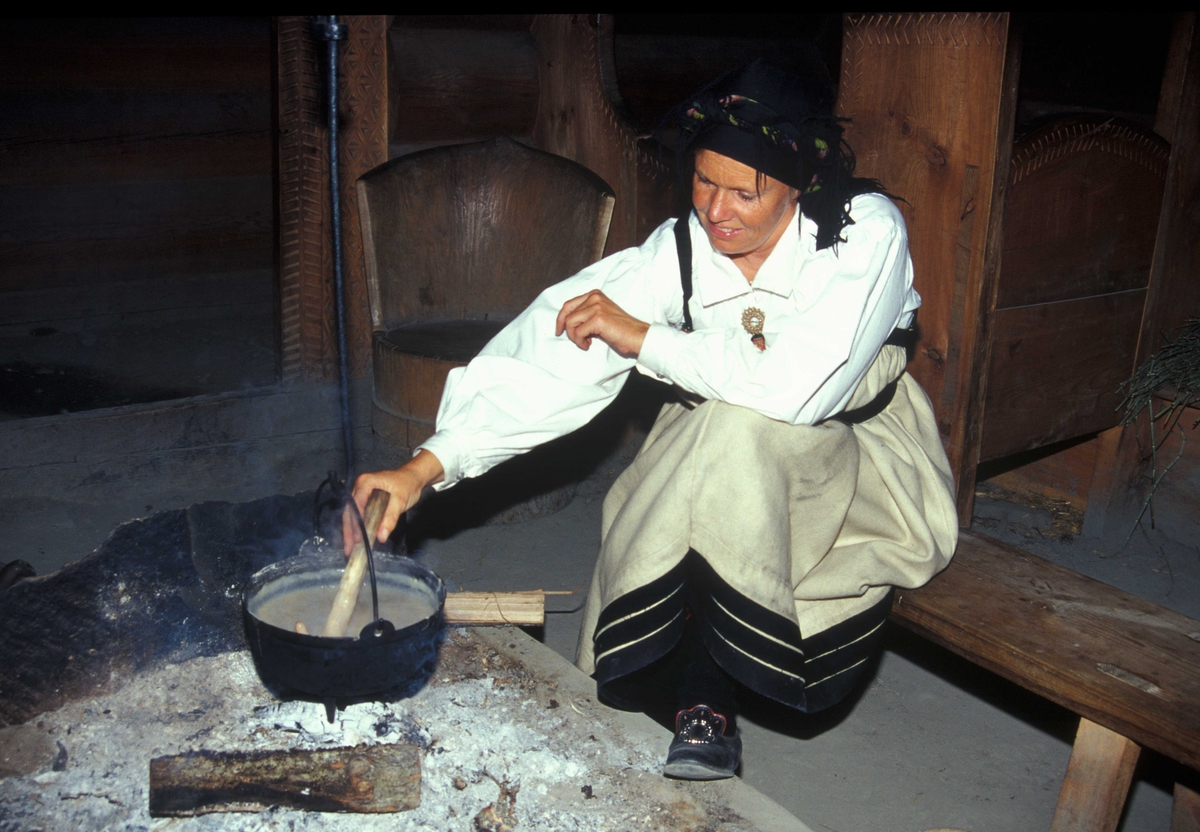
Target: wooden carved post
(307,316)
(932,103)
(577,119)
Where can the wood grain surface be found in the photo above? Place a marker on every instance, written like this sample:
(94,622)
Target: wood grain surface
(1082,210)
(577,118)
(1056,369)
(1097,781)
(454,85)
(459,240)
(368,779)
(1124,663)
(1174,293)
(932,99)
(134,151)
(307,305)
(475,231)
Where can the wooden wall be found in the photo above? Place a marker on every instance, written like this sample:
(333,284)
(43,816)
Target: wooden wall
(136,149)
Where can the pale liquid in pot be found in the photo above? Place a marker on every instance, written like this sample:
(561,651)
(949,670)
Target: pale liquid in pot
(311,605)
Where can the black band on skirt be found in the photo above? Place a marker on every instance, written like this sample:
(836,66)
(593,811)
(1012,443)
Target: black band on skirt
(761,649)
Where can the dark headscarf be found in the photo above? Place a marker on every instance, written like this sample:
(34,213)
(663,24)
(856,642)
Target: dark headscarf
(781,125)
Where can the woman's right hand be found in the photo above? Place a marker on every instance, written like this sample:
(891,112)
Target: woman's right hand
(404,484)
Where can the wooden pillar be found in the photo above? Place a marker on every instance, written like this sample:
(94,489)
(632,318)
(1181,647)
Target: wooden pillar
(307,309)
(932,102)
(1097,781)
(1120,481)
(364,145)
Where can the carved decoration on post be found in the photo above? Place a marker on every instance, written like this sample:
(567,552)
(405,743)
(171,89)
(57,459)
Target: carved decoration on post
(307,318)
(932,101)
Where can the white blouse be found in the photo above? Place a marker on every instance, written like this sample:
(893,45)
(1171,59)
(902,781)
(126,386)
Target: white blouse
(827,316)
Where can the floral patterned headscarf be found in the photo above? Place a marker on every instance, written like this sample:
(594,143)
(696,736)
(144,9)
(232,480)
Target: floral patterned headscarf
(783,126)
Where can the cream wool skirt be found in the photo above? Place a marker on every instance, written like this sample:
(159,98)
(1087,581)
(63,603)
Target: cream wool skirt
(802,531)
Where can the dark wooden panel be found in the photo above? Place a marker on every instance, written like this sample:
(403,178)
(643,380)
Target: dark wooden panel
(363,146)
(1175,285)
(114,32)
(1055,369)
(137,159)
(70,235)
(578,118)
(1114,658)
(1082,211)
(33,67)
(1174,295)
(479,22)
(456,84)
(657,71)
(95,115)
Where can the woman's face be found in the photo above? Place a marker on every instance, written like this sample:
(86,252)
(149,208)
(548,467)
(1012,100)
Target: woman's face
(739,217)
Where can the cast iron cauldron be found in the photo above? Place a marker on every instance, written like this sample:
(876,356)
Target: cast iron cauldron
(381,660)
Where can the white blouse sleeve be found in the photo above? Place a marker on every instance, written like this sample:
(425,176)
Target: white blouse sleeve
(819,346)
(528,386)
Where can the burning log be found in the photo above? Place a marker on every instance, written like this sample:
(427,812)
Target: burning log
(368,779)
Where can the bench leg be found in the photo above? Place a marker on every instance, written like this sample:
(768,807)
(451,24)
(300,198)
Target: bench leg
(1186,815)
(1097,781)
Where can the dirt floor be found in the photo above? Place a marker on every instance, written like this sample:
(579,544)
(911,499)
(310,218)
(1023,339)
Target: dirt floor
(929,740)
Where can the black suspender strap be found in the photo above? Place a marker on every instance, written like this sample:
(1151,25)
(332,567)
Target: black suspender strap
(683,241)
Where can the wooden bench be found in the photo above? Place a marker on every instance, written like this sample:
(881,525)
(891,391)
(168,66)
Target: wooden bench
(1128,667)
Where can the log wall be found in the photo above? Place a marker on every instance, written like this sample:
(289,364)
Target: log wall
(134,150)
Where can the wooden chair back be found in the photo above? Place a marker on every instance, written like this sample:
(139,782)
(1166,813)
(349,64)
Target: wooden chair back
(476,231)
(1079,226)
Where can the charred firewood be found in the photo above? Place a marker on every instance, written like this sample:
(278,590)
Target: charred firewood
(370,779)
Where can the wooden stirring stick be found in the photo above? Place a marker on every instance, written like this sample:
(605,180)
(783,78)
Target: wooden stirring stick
(352,578)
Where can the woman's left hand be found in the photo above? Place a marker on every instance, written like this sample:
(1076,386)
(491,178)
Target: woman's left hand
(594,315)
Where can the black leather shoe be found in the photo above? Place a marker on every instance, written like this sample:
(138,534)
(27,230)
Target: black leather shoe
(701,750)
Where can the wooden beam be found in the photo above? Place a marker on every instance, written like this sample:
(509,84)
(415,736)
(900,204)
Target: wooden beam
(1174,291)
(1035,358)
(1097,781)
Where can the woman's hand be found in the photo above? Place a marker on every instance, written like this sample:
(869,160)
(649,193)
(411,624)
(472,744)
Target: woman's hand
(595,316)
(404,484)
